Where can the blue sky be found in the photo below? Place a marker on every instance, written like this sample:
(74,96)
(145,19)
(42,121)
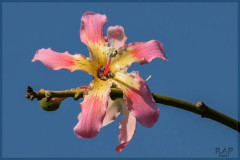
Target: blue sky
(200,40)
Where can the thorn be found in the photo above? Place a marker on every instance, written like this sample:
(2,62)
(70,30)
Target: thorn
(27,96)
(77,96)
(29,89)
(202,107)
(31,97)
(49,96)
(200,104)
(42,90)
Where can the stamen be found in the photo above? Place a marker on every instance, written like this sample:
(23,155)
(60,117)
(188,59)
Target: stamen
(148,78)
(110,52)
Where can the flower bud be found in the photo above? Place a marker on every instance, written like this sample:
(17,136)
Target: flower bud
(51,105)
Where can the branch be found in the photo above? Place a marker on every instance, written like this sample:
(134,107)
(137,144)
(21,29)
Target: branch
(199,108)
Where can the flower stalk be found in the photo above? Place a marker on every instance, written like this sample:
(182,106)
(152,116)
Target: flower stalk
(199,108)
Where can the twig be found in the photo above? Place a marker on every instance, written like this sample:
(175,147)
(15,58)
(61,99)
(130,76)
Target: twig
(199,108)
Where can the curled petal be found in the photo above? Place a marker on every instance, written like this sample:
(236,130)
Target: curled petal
(116,36)
(127,128)
(92,34)
(139,100)
(56,60)
(113,110)
(93,109)
(138,52)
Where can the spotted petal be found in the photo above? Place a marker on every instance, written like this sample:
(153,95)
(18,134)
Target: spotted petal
(127,128)
(56,61)
(139,100)
(92,34)
(137,52)
(116,36)
(93,109)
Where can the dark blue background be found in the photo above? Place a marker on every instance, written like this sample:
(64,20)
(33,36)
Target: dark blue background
(200,40)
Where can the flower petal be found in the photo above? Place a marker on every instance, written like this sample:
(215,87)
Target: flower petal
(92,34)
(116,36)
(56,60)
(139,100)
(92,28)
(93,109)
(113,110)
(137,52)
(127,128)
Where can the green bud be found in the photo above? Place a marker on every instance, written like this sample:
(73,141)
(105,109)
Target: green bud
(51,105)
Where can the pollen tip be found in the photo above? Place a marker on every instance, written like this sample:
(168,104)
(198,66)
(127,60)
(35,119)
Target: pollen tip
(150,76)
(111,52)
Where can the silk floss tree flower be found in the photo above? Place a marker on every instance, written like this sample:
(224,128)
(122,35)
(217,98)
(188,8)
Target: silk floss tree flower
(108,62)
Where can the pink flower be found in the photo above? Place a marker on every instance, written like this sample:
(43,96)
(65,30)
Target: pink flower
(108,65)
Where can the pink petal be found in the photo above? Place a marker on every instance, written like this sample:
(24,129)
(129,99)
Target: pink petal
(116,36)
(93,109)
(137,52)
(113,110)
(139,100)
(92,34)
(56,60)
(148,51)
(92,27)
(127,129)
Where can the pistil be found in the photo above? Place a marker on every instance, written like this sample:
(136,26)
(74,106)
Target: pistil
(107,66)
